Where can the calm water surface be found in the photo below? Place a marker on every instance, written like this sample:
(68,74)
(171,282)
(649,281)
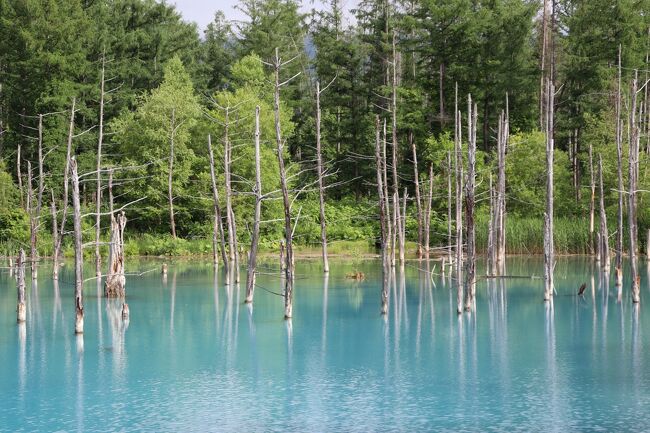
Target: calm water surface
(194,358)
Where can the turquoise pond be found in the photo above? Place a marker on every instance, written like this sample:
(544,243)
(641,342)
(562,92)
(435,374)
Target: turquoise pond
(195,358)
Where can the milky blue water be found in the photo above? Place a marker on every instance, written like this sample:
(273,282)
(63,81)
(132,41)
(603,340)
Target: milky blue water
(193,357)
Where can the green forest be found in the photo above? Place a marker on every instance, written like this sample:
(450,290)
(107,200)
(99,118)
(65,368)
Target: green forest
(118,81)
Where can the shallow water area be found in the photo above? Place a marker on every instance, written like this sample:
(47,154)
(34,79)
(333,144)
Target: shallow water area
(194,357)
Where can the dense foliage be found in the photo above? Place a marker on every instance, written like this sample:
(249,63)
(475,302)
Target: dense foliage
(163,75)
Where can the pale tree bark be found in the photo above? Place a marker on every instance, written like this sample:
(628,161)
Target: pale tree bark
(592,205)
(321,191)
(252,255)
(78,251)
(542,67)
(458,168)
(603,237)
(288,233)
(418,199)
(398,218)
(170,174)
(230,215)
(66,183)
(383,220)
(55,238)
(549,249)
(217,225)
(618,263)
(98,196)
(115,279)
(19,176)
(450,237)
(427,216)
(472,118)
(33,224)
(500,223)
(389,221)
(21,310)
(491,250)
(633,174)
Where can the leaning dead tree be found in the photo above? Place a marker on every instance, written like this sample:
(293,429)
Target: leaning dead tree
(618,263)
(288,232)
(458,169)
(549,249)
(257,190)
(633,176)
(66,183)
(21,309)
(603,236)
(217,225)
(470,264)
(383,218)
(78,251)
(321,192)
(230,214)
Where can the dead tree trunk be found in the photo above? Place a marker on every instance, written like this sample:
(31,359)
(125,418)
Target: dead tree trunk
(549,250)
(592,205)
(66,183)
(217,225)
(288,272)
(398,219)
(98,194)
(458,168)
(230,215)
(418,200)
(389,221)
(450,242)
(427,216)
(469,205)
(252,255)
(78,252)
(115,279)
(603,237)
(55,239)
(321,192)
(491,250)
(633,174)
(500,223)
(383,220)
(20,177)
(33,224)
(170,174)
(618,264)
(21,309)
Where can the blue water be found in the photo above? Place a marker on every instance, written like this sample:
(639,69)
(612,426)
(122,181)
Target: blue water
(195,358)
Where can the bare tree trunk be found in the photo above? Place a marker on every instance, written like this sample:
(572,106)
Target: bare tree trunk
(170,174)
(321,192)
(399,221)
(21,310)
(230,215)
(115,279)
(55,240)
(418,200)
(632,204)
(549,251)
(20,177)
(449,205)
(592,204)
(217,225)
(542,67)
(78,252)
(427,215)
(383,220)
(33,224)
(98,196)
(389,221)
(441,95)
(469,205)
(492,221)
(403,223)
(288,283)
(500,234)
(41,177)
(458,167)
(604,235)
(618,265)
(66,183)
(252,257)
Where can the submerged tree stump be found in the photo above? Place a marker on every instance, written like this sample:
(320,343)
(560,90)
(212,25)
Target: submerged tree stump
(21,309)
(115,279)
